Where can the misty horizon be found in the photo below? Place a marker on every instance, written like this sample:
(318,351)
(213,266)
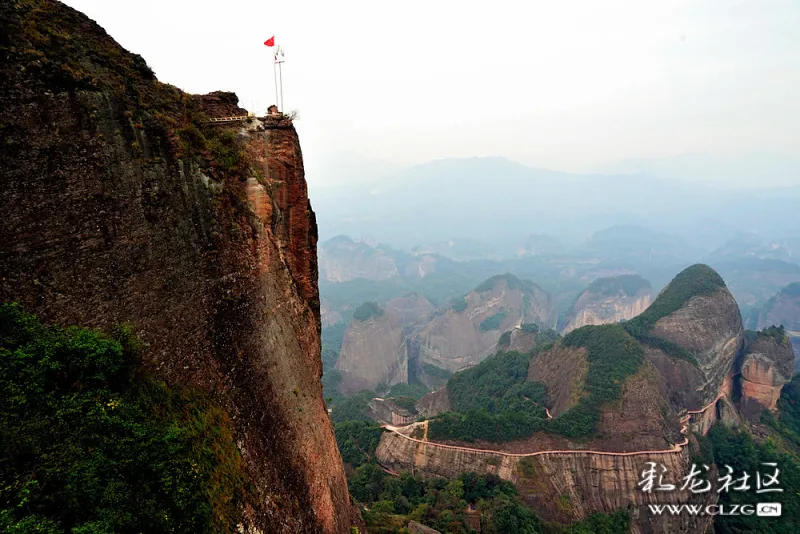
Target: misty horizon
(574,87)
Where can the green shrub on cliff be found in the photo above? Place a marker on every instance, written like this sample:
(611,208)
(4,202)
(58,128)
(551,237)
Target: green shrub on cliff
(736,448)
(530,328)
(459,304)
(512,282)
(505,339)
(694,281)
(494,402)
(613,356)
(493,322)
(367,311)
(357,441)
(89,445)
(778,333)
(484,385)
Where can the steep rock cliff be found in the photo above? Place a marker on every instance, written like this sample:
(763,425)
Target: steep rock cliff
(121,205)
(524,338)
(783,309)
(329,316)
(374,350)
(410,309)
(679,356)
(640,419)
(563,371)
(694,330)
(711,328)
(561,486)
(796,346)
(468,332)
(767,365)
(421,265)
(610,300)
(341,259)
(433,403)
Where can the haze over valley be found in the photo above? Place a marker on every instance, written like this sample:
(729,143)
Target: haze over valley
(496,268)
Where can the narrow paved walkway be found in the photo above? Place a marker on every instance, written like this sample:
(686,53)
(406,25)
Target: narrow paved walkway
(678,447)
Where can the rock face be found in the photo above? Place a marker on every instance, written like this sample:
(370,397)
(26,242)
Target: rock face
(563,371)
(522,338)
(561,486)
(374,350)
(387,411)
(469,331)
(767,365)
(396,346)
(421,265)
(796,346)
(329,316)
(410,309)
(610,300)
(783,309)
(120,205)
(341,259)
(642,419)
(419,528)
(693,334)
(433,403)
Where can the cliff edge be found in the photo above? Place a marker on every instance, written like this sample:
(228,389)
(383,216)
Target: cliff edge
(123,204)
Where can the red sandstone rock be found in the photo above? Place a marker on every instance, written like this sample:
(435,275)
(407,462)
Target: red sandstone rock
(118,208)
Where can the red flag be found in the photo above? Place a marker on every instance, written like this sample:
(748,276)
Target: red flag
(270,41)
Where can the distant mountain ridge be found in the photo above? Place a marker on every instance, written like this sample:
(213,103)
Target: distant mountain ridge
(503,201)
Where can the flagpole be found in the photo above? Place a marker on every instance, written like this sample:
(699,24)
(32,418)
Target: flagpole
(275,74)
(280,76)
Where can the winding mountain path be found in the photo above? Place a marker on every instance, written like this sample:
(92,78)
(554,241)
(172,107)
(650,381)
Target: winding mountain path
(678,447)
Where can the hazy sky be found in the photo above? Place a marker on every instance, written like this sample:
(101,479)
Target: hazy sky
(568,85)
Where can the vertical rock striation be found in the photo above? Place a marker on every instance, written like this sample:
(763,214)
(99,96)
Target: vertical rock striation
(610,300)
(121,205)
(767,365)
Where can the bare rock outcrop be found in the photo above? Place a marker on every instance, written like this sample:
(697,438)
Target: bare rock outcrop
(710,327)
(421,265)
(561,486)
(329,316)
(783,309)
(121,204)
(767,365)
(610,300)
(419,528)
(434,403)
(563,372)
(409,309)
(524,338)
(469,331)
(342,259)
(388,411)
(374,345)
(694,333)
(372,352)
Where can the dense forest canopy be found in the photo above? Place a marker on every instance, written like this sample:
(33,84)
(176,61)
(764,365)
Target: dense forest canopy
(494,402)
(90,445)
(367,311)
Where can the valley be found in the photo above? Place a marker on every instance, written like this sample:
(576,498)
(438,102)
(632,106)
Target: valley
(206,329)
(542,404)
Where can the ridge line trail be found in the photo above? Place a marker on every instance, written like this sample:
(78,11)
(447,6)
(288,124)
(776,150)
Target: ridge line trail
(678,447)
